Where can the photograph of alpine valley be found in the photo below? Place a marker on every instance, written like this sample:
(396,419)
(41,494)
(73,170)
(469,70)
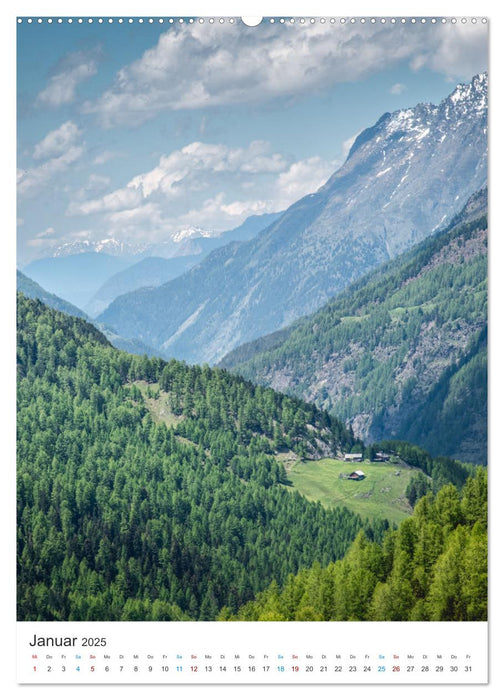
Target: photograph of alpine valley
(252,319)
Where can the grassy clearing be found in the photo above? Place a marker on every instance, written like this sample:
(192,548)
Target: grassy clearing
(380,495)
(159,408)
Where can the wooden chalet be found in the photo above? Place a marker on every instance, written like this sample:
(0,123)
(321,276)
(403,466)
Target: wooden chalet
(353,457)
(357,475)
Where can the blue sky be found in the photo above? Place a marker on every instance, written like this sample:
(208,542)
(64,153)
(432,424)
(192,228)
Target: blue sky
(137,131)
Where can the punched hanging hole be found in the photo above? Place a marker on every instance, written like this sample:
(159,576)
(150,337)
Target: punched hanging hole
(251,21)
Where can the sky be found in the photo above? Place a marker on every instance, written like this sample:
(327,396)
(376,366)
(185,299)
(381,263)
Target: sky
(137,130)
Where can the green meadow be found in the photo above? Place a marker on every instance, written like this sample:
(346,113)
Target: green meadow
(380,495)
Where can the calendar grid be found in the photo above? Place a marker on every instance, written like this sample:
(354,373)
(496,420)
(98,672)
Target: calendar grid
(203,653)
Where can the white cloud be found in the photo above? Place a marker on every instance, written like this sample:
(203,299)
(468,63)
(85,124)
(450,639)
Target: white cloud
(80,235)
(145,222)
(397,89)
(39,177)
(200,66)
(183,169)
(62,86)
(41,242)
(47,233)
(207,185)
(195,167)
(58,150)
(216,213)
(105,157)
(97,182)
(460,52)
(297,180)
(242,209)
(124,198)
(56,142)
(347,144)
(303,177)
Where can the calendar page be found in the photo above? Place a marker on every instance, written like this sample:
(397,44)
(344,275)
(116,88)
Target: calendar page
(252,349)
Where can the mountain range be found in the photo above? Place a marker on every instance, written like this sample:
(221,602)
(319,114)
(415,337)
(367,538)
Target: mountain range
(404,179)
(90,274)
(402,353)
(160,267)
(75,277)
(132,248)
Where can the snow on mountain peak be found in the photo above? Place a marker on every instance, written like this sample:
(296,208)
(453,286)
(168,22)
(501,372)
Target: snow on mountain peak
(402,119)
(112,246)
(191,232)
(473,94)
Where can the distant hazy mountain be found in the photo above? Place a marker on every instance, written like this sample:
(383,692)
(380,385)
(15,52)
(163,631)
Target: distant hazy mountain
(187,241)
(154,271)
(400,354)
(404,178)
(75,277)
(32,290)
(171,246)
(148,272)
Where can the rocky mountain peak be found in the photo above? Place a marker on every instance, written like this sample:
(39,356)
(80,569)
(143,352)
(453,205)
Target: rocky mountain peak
(404,179)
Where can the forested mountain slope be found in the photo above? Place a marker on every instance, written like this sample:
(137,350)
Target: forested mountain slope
(434,567)
(404,178)
(150,489)
(32,290)
(403,352)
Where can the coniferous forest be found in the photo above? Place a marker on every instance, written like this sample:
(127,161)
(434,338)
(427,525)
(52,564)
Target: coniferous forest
(153,490)
(123,517)
(401,351)
(434,567)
